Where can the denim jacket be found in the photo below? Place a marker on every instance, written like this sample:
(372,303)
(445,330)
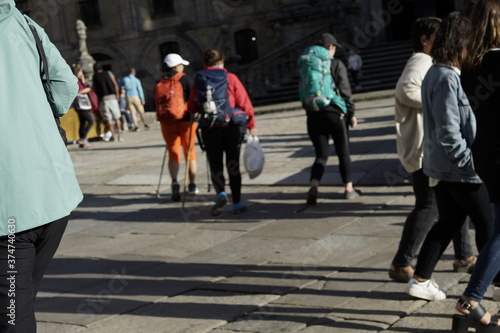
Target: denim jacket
(449,127)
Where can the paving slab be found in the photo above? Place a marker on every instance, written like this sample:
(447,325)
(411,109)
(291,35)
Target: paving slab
(132,260)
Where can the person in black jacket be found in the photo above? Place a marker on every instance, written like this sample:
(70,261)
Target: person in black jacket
(339,74)
(331,122)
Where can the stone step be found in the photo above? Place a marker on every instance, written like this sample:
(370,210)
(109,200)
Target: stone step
(382,66)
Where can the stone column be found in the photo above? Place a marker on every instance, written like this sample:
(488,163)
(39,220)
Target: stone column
(85,59)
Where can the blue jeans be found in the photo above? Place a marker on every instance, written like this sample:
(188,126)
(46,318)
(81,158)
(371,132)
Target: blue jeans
(488,263)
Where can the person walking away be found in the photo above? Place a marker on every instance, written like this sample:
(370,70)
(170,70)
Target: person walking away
(482,66)
(106,88)
(135,98)
(38,183)
(325,115)
(409,139)
(225,113)
(354,64)
(177,127)
(449,131)
(84,116)
(124,111)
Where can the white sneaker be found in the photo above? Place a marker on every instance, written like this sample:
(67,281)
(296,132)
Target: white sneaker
(428,290)
(107,136)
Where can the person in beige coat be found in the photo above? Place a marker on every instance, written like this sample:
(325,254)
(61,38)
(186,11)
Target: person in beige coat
(409,139)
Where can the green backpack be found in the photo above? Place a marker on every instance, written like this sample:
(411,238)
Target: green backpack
(316,86)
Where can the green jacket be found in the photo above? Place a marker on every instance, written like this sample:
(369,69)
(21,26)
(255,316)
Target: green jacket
(37,179)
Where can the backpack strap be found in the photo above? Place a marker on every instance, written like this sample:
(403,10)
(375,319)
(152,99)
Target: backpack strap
(43,57)
(48,86)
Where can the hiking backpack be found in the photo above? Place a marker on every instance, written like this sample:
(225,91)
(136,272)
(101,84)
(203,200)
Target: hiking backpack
(169,99)
(316,86)
(213,96)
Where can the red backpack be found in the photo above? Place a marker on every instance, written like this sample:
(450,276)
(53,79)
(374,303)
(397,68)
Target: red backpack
(169,99)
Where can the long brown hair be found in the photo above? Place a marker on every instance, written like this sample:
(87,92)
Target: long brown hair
(485,19)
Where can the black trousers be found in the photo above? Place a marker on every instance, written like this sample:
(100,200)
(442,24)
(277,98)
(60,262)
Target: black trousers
(86,122)
(226,140)
(420,221)
(321,125)
(31,251)
(455,201)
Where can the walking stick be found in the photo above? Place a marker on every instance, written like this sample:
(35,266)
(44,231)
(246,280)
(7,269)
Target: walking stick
(161,174)
(208,171)
(203,149)
(186,176)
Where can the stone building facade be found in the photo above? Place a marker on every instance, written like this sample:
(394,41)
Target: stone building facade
(260,38)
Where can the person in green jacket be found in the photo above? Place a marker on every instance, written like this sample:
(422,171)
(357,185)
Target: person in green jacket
(38,186)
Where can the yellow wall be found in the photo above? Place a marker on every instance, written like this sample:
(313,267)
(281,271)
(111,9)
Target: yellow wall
(71,124)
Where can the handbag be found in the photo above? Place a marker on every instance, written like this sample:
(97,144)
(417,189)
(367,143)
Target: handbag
(54,105)
(94,100)
(253,157)
(82,102)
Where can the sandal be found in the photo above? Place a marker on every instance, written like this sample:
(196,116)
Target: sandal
(465,265)
(462,323)
(400,273)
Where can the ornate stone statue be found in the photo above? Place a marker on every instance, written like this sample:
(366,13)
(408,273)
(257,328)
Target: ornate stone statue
(85,59)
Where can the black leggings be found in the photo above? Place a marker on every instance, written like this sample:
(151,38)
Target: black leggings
(320,126)
(86,122)
(217,141)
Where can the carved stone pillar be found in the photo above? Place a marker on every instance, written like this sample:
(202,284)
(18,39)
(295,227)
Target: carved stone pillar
(85,60)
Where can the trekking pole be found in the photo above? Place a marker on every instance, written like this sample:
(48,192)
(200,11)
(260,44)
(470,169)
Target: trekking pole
(186,176)
(161,174)
(203,149)
(208,171)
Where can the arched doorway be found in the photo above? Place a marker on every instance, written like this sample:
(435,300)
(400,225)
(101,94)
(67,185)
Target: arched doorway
(246,46)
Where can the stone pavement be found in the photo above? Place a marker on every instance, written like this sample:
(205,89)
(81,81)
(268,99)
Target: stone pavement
(133,262)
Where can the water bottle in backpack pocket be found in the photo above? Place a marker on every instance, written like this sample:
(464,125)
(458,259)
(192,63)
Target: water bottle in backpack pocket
(213,96)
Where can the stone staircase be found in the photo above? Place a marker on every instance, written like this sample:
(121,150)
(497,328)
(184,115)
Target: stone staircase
(273,79)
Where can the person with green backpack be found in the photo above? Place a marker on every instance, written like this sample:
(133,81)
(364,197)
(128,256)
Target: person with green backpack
(326,113)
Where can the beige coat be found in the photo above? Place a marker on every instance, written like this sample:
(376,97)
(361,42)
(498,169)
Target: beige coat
(408,109)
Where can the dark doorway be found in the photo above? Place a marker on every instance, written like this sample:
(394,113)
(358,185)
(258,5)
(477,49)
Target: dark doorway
(400,15)
(246,46)
(105,60)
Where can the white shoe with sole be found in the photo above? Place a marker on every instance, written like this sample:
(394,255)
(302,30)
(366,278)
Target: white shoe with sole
(428,290)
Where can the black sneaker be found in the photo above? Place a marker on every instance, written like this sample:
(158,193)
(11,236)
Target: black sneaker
(193,189)
(312,196)
(176,195)
(146,127)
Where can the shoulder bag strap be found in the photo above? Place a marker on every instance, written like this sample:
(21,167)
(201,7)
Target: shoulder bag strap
(42,55)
